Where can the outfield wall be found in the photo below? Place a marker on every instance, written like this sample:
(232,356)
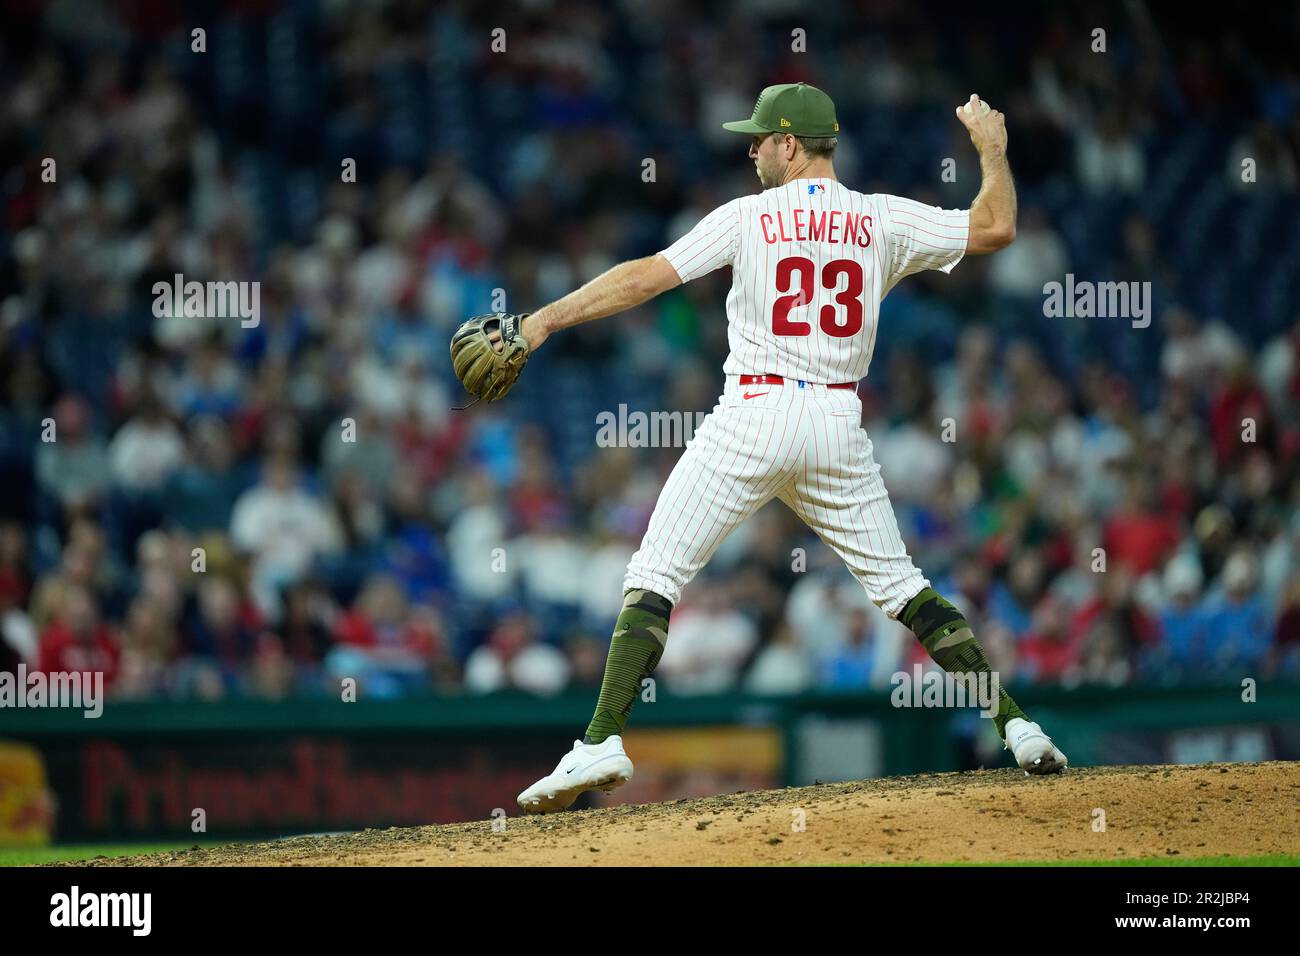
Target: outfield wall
(142,770)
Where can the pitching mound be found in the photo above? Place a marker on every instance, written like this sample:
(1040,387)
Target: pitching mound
(983,816)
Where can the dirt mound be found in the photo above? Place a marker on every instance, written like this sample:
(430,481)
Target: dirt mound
(987,815)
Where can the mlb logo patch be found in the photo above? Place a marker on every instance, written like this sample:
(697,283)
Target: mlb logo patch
(814,187)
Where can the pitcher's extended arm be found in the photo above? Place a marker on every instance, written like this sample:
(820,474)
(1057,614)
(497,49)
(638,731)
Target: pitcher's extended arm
(623,287)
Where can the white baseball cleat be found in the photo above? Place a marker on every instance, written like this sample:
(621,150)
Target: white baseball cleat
(603,766)
(1033,749)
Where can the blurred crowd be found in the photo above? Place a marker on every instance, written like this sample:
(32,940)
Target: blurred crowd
(201,509)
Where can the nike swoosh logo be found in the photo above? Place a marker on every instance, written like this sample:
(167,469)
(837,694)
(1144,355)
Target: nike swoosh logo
(749,395)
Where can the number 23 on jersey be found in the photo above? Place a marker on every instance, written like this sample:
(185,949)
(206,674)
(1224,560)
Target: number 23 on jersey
(799,275)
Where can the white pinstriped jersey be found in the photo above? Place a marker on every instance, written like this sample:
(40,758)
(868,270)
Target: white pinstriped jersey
(811,261)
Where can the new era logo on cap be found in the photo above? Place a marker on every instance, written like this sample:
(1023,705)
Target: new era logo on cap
(790,108)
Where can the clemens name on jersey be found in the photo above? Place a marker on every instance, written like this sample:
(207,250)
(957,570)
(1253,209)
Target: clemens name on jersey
(811,262)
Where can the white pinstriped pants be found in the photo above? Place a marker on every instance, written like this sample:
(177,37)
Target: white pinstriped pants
(803,445)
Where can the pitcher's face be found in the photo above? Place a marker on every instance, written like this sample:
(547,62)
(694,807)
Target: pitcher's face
(767,152)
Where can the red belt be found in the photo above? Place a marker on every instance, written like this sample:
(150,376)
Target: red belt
(778,380)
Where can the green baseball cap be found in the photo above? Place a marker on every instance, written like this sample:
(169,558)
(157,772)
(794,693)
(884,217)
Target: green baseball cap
(795,108)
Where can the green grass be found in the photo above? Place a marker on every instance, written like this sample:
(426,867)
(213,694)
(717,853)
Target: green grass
(28,856)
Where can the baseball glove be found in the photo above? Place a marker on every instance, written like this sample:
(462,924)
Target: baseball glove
(488,368)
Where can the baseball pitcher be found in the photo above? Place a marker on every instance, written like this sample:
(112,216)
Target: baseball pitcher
(811,261)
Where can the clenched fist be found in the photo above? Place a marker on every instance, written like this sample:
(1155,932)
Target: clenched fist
(987,127)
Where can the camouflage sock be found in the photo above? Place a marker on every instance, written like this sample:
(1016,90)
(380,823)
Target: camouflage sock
(947,638)
(639,638)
